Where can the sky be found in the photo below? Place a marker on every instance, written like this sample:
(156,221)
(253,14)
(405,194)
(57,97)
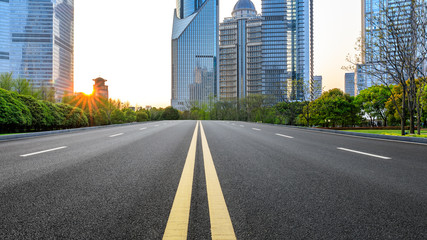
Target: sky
(129,44)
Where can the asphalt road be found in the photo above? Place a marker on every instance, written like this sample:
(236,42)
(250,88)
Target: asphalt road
(261,182)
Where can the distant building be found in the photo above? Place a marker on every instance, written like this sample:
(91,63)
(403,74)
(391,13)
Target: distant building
(240,53)
(37,42)
(194,52)
(318,87)
(99,88)
(350,84)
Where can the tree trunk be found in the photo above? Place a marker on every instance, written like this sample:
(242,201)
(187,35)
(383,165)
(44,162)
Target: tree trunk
(403,115)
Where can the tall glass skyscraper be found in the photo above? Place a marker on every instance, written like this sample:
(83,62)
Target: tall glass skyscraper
(37,42)
(4,36)
(285,49)
(375,13)
(194,53)
(240,52)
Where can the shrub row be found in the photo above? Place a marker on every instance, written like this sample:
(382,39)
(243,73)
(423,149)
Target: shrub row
(26,113)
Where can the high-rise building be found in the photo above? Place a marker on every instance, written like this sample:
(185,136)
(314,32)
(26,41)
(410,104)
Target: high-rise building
(4,36)
(37,42)
(350,84)
(317,87)
(195,53)
(285,49)
(375,14)
(240,52)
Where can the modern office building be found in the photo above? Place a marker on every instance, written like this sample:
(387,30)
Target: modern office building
(195,53)
(317,87)
(350,84)
(240,53)
(4,36)
(286,49)
(376,13)
(37,42)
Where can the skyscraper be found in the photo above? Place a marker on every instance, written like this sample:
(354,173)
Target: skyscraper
(240,52)
(285,49)
(390,20)
(194,52)
(4,36)
(317,87)
(350,84)
(37,42)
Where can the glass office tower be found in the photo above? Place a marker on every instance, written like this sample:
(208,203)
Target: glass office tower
(374,15)
(194,53)
(4,36)
(37,37)
(285,49)
(240,53)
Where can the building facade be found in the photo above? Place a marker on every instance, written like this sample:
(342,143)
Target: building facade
(317,87)
(37,42)
(195,53)
(286,49)
(240,53)
(350,84)
(396,14)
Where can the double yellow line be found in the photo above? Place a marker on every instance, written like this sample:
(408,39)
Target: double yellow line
(177,226)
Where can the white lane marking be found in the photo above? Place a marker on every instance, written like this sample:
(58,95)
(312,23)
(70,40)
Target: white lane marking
(116,135)
(281,135)
(363,153)
(45,151)
(256,129)
(142,129)
(157,125)
(242,126)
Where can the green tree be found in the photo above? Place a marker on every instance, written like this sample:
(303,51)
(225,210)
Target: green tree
(130,115)
(141,116)
(373,102)
(118,117)
(170,113)
(334,108)
(6,81)
(101,117)
(289,111)
(22,86)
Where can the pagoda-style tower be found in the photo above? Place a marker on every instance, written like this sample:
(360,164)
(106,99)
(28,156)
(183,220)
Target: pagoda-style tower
(99,88)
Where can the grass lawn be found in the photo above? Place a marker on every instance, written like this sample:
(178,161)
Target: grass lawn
(5,134)
(390,132)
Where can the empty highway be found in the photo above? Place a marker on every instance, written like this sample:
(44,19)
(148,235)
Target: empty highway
(211,180)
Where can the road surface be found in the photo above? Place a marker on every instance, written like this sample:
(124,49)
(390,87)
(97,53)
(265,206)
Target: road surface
(211,180)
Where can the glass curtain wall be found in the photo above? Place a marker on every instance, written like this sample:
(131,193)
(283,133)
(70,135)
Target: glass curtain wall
(194,54)
(285,49)
(41,47)
(4,36)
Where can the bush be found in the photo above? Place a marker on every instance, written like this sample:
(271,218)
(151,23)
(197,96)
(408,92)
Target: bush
(118,117)
(170,113)
(130,115)
(141,116)
(101,117)
(14,114)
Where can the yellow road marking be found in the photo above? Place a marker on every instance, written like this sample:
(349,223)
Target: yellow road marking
(177,226)
(221,226)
